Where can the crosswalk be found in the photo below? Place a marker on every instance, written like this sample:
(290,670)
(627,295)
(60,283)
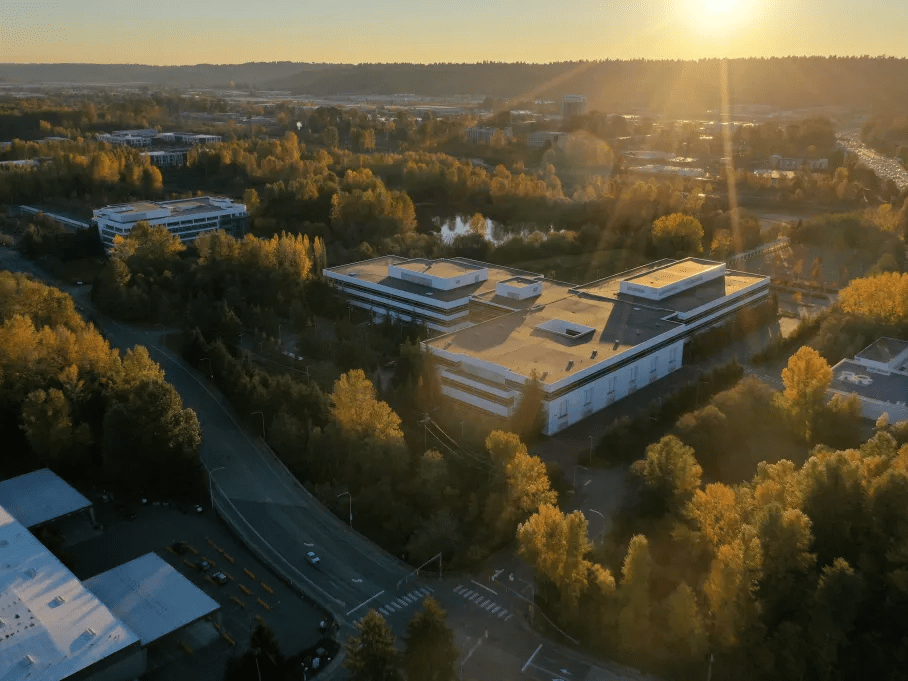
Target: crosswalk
(401,602)
(481,601)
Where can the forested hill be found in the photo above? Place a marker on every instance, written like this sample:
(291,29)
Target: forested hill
(877,83)
(200,75)
(790,82)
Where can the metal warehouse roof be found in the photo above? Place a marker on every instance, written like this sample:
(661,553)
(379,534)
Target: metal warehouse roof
(151,597)
(40,496)
(51,626)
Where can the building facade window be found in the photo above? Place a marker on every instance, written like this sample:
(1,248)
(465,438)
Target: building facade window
(588,396)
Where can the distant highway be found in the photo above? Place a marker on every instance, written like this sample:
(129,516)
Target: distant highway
(885,167)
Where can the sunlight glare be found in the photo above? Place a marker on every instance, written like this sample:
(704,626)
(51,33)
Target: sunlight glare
(719,6)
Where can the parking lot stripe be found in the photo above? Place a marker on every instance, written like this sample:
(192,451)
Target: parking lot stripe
(502,614)
(467,593)
(497,608)
(383,611)
(457,589)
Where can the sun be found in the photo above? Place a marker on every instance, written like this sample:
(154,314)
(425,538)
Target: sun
(719,6)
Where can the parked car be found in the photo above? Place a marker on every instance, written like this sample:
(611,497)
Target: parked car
(198,508)
(179,547)
(203,565)
(312,558)
(219,577)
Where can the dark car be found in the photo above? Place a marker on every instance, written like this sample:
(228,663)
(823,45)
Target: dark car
(219,577)
(203,565)
(179,547)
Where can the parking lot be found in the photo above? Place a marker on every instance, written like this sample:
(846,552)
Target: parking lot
(250,593)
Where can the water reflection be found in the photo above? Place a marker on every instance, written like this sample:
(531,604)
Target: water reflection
(496,233)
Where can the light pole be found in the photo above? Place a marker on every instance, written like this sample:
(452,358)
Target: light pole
(350,500)
(263,421)
(210,491)
(279,341)
(575,472)
(590,460)
(210,369)
(593,510)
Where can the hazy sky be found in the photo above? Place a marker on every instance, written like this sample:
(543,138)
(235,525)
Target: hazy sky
(353,31)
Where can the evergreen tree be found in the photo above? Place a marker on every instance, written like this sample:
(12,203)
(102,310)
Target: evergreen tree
(430,654)
(371,655)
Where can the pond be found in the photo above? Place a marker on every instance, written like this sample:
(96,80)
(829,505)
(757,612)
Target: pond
(496,232)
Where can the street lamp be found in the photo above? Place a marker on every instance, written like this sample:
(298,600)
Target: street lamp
(575,472)
(350,501)
(263,421)
(210,369)
(593,510)
(279,341)
(210,492)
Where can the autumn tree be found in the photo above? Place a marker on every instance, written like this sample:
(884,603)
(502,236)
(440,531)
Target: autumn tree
(556,545)
(430,653)
(528,419)
(806,378)
(883,297)
(371,655)
(636,609)
(678,234)
(670,475)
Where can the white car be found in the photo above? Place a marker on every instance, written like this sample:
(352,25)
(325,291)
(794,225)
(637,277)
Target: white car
(312,558)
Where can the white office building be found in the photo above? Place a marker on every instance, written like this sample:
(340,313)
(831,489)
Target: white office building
(572,105)
(878,375)
(588,345)
(186,218)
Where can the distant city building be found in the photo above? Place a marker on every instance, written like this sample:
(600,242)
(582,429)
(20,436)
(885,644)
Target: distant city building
(187,218)
(778,162)
(144,132)
(485,135)
(537,140)
(588,345)
(878,375)
(164,159)
(126,140)
(572,105)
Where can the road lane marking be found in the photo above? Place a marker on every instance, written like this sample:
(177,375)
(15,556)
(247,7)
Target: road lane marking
(484,586)
(528,662)
(365,601)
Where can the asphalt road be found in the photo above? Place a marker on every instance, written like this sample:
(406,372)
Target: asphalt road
(281,522)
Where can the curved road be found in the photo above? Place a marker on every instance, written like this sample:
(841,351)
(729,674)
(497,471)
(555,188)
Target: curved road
(281,521)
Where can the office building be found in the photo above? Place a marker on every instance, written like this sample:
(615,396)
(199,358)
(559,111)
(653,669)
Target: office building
(572,105)
(587,345)
(878,375)
(186,218)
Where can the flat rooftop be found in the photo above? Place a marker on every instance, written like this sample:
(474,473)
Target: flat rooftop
(445,269)
(516,342)
(151,597)
(375,271)
(883,350)
(139,210)
(52,626)
(683,301)
(850,377)
(664,276)
(38,497)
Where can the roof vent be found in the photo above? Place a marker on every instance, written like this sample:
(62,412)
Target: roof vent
(90,632)
(27,661)
(570,365)
(593,356)
(545,375)
(57,601)
(4,543)
(31,572)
